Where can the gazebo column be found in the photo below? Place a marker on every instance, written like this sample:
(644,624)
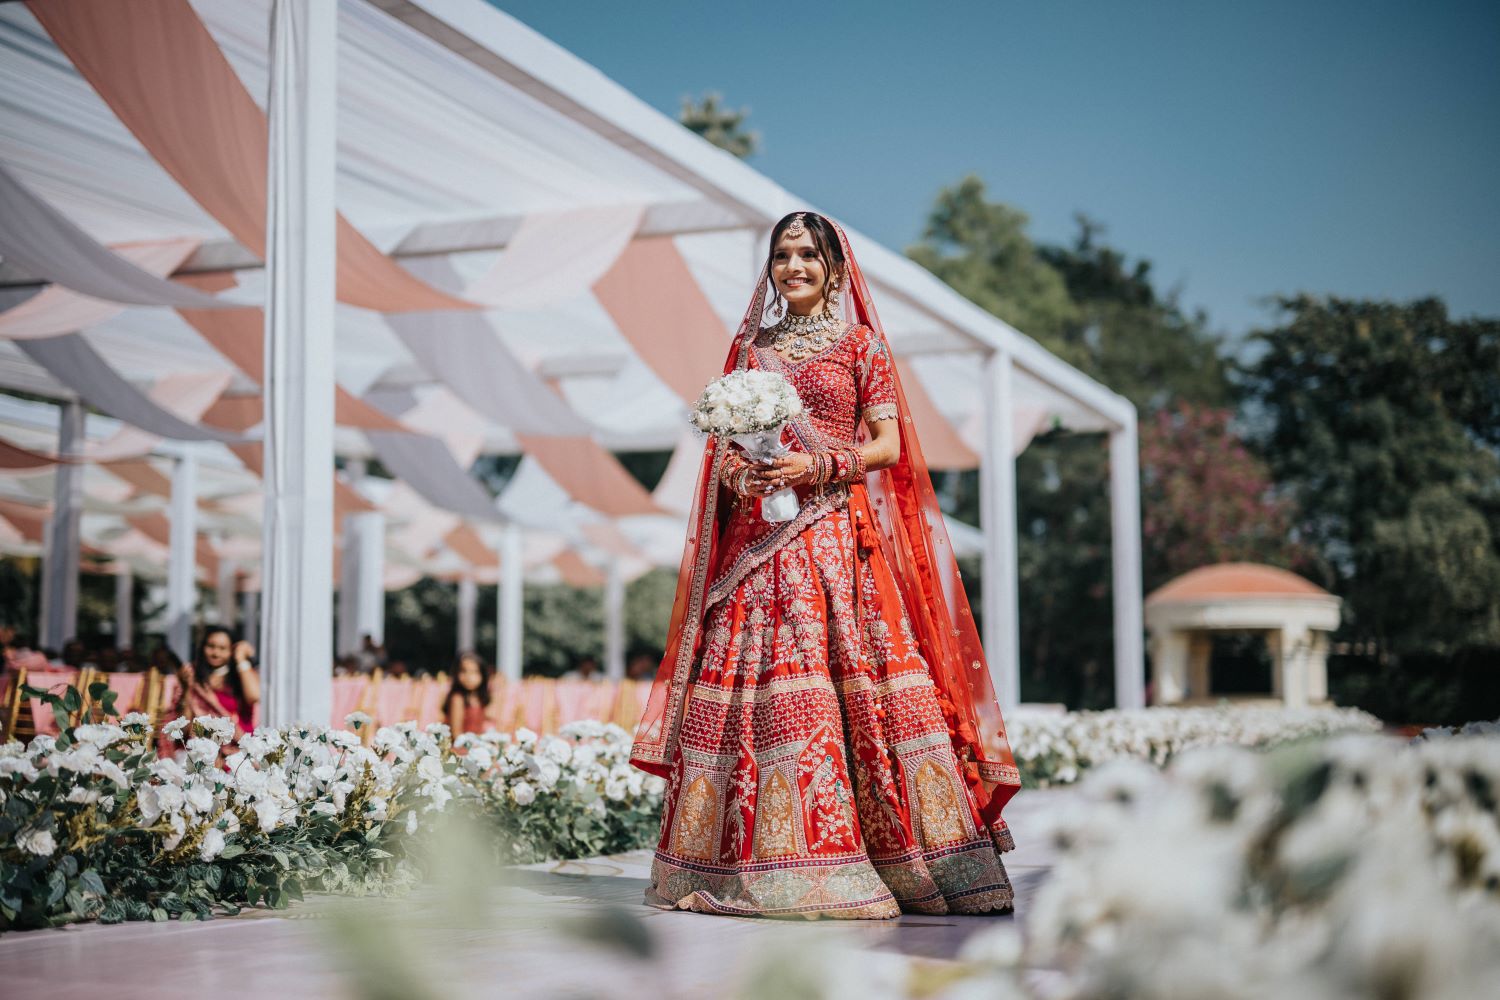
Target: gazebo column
(124,607)
(614,620)
(1289,661)
(1200,655)
(508,630)
(1169,665)
(1317,667)
(297,574)
(1125,550)
(60,562)
(997,485)
(468,609)
(182,552)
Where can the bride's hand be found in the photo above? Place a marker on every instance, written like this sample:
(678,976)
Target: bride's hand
(792,469)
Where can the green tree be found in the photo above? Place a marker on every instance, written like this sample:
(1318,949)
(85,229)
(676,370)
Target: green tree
(721,126)
(1094,308)
(981,249)
(1383,419)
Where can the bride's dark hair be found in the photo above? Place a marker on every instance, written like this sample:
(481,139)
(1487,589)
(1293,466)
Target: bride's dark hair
(825,239)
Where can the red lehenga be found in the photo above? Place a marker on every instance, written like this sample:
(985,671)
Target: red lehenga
(823,716)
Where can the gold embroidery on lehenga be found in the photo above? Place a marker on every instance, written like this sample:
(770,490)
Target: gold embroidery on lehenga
(942,823)
(775,814)
(698,821)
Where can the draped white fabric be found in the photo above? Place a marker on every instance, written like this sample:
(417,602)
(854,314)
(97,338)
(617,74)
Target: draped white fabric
(429,467)
(73,362)
(50,247)
(556,256)
(464,352)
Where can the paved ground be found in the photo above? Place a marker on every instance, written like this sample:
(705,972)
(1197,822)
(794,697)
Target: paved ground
(557,930)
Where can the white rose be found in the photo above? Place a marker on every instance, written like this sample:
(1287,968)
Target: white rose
(80,794)
(38,842)
(267,814)
(325,809)
(212,845)
(202,751)
(199,798)
(523,793)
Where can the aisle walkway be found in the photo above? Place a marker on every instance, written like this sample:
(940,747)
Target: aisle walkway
(539,936)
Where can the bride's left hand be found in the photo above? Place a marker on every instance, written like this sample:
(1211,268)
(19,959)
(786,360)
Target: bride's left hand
(792,469)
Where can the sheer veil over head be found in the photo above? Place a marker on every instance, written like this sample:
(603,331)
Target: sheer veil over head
(914,541)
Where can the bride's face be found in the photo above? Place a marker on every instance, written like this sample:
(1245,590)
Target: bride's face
(799,273)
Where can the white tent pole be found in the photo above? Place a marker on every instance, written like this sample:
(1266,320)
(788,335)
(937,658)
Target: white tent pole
(997,481)
(297,574)
(614,620)
(124,607)
(1125,548)
(60,564)
(250,616)
(224,592)
(369,601)
(182,563)
(468,608)
(346,638)
(508,640)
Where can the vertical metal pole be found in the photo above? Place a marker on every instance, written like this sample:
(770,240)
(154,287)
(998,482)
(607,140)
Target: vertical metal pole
(182,550)
(468,608)
(614,620)
(124,607)
(508,646)
(60,564)
(1125,549)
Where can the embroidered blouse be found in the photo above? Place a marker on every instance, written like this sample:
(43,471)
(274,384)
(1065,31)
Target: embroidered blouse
(849,380)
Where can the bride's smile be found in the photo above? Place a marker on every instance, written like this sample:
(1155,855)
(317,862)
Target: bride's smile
(800,273)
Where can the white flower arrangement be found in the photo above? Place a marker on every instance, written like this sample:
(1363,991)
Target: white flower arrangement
(1056,748)
(746,401)
(1355,867)
(303,805)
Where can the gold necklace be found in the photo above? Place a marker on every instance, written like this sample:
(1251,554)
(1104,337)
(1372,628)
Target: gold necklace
(798,337)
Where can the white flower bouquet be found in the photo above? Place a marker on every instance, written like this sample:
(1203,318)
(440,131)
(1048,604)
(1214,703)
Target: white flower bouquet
(751,408)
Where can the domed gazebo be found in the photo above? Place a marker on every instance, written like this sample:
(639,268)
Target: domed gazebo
(1293,615)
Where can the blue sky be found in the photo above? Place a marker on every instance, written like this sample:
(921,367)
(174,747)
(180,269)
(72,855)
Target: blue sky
(1246,148)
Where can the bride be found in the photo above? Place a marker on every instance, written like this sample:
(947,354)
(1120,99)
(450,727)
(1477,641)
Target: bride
(823,715)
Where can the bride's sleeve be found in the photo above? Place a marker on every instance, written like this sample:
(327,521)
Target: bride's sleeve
(877,384)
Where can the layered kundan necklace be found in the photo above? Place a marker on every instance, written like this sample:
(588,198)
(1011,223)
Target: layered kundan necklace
(797,337)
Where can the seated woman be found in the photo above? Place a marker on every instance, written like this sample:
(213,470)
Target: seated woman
(221,681)
(466,708)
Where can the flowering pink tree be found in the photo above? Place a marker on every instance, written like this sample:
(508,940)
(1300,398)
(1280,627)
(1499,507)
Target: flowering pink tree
(1206,499)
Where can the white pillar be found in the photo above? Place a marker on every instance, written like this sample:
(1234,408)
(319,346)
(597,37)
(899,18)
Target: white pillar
(614,620)
(182,552)
(60,562)
(124,607)
(250,616)
(1125,550)
(508,638)
(297,573)
(468,609)
(224,592)
(997,498)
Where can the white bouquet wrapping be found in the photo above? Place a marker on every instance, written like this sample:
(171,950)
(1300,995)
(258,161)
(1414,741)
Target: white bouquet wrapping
(751,408)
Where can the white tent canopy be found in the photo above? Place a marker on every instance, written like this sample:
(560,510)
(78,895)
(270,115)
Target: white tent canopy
(460,133)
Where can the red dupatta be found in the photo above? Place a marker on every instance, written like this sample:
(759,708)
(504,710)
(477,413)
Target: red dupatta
(914,540)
